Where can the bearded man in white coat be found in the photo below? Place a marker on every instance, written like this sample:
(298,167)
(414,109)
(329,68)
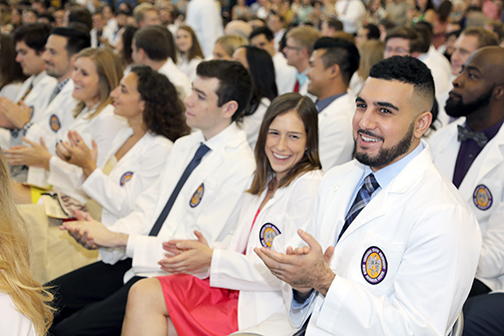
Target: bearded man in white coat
(401,245)
(470,153)
(332,64)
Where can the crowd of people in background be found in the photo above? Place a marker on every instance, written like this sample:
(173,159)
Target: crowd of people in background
(189,138)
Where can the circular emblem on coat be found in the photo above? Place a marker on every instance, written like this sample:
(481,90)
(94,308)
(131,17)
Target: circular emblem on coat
(197,196)
(125,178)
(374,265)
(54,123)
(482,197)
(267,234)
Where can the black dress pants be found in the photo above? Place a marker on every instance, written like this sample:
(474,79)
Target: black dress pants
(91,300)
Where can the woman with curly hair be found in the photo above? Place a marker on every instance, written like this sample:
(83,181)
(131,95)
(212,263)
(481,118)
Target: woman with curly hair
(155,114)
(24,303)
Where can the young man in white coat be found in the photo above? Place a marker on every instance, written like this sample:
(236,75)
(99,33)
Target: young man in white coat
(332,64)
(470,153)
(203,179)
(285,75)
(401,245)
(151,46)
(33,97)
(298,49)
(62,48)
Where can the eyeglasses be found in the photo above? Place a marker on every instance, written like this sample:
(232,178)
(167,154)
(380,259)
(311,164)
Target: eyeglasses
(291,47)
(397,51)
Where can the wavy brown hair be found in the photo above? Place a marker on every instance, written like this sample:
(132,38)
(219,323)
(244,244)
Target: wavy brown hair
(164,111)
(307,111)
(29,297)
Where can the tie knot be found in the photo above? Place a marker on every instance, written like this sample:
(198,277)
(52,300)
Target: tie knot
(202,150)
(479,137)
(370,183)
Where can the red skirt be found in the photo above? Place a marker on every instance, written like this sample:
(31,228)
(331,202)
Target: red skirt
(195,308)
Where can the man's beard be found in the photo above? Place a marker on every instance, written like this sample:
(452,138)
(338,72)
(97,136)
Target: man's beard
(385,156)
(460,109)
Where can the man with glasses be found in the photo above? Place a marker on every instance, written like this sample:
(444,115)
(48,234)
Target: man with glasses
(297,50)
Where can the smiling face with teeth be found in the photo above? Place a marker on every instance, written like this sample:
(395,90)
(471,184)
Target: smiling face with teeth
(285,142)
(386,124)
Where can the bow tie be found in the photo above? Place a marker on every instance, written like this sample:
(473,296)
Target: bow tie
(479,137)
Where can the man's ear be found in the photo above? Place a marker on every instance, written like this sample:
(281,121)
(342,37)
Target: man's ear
(422,123)
(499,92)
(229,109)
(335,71)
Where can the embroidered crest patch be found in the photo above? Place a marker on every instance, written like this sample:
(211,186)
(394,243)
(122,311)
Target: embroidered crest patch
(197,196)
(482,197)
(267,234)
(374,265)
(125,178)
(54,123)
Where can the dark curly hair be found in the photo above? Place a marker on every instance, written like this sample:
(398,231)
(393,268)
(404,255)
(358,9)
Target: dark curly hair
(164,111)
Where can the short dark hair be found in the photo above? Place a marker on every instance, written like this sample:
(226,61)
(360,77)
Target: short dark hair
(235,83)
(406,33)
(373,31)
(409,70)
(34,35)
(268,33)
(336,24)
(76,39)
(424,29)
(341,52)
(47,16)
(164,111)
(155,41)
(82,15)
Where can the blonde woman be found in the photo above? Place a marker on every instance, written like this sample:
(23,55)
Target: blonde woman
(226,45)
(371,52)
(97,72)
(24,303)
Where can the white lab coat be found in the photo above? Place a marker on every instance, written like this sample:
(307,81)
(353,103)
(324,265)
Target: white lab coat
(285,75)
(176,77)
(260,291)
(14,323)
(350,13)
(38,98)
(135,172)
(442,80)
(224,173)
(252,123)
(203,16)
(57,115)
(188,68)
(304,90)
(336,142)
(103,128)
(428,237)
(488,170)
(106,33)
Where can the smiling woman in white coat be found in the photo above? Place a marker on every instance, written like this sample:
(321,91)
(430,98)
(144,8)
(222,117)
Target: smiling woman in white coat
(96,73)
(156,117)
(238,291)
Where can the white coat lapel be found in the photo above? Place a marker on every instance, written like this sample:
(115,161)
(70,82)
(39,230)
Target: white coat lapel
(485,162)
(445,152)
(384,200)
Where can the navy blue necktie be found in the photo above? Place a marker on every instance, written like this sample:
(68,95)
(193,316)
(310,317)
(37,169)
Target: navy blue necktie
(361,200)
(202,150)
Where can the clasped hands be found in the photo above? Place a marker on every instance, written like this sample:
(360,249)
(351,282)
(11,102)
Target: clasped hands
(186,256)
(13,115)
(92,234)
(76,152)
(303,268)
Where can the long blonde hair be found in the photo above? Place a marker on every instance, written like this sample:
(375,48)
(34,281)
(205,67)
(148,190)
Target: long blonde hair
(110,71)
(29,297)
